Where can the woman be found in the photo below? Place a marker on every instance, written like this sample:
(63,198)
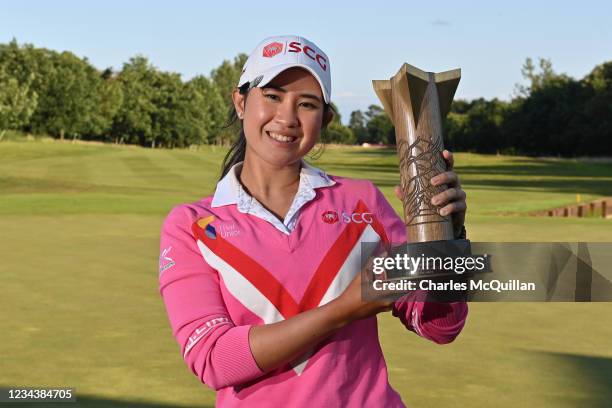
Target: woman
(261,280)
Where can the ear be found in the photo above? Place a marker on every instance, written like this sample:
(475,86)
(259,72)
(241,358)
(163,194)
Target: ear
(329,116)
(238,100)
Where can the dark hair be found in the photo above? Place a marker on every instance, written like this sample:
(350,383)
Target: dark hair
(238,148)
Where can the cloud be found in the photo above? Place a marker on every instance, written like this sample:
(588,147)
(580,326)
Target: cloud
(440,23)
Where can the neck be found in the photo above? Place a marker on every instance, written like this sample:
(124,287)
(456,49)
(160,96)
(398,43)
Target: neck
(263,180)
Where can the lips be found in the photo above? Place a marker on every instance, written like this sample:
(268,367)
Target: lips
(281,138)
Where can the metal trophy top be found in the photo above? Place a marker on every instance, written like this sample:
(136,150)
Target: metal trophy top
(417,101)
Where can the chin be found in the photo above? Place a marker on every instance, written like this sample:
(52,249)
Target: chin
(281,157)
(282,161)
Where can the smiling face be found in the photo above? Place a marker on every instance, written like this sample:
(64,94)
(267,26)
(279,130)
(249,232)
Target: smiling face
(282,121)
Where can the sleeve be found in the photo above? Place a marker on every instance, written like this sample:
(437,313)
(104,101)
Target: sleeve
(215,350)
(435,321)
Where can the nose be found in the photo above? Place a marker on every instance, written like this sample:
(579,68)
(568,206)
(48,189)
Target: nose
(286,114)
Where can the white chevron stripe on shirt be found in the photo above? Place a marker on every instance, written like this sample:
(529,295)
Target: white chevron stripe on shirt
(252,298)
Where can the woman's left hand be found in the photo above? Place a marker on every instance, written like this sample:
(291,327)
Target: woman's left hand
(452,200)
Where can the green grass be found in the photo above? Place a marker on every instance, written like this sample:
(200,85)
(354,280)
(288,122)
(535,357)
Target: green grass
(79,236)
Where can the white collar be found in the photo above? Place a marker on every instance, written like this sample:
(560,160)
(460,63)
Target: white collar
(230,191)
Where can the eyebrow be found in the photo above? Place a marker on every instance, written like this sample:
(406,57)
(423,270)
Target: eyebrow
(281,89)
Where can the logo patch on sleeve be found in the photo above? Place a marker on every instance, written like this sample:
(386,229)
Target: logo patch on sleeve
(165,262)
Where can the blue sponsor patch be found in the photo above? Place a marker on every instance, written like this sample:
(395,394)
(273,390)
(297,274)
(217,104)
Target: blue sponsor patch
(210,232)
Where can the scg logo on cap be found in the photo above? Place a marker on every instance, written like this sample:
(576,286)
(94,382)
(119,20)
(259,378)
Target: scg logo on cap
(272,49)
(275,54)
(295,46)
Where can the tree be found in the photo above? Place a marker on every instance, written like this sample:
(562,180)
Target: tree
(26,65)
(226,76)
(67,94)
(357,124)
(547,121)
(108,98)
(208,108)
(17,101)
(455,126)
(170,118)
(380,128)
(597,110)
(133,121)
(336,132)
(537,80)
(484,123)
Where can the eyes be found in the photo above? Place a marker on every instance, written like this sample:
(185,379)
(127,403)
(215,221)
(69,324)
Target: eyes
(276,97)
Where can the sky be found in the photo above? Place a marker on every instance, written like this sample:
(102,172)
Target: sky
(488,40)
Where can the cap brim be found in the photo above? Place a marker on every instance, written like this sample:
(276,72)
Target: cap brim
(272,73)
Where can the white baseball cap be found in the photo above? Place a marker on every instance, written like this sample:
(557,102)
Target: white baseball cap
(276,54)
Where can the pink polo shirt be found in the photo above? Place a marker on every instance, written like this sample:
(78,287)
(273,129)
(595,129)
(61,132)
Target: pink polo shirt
(225,267)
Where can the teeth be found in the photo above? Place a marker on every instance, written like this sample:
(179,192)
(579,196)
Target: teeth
(281,138)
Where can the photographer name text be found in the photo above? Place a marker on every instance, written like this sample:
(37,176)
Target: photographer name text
(428,284)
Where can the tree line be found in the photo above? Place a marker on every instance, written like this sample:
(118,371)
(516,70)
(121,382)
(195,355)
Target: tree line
(59,94)
(553,115)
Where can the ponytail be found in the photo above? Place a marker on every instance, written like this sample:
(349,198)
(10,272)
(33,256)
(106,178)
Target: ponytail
(235,154)
(238,149)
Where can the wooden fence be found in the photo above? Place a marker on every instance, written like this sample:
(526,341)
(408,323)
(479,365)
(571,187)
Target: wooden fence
(598,208)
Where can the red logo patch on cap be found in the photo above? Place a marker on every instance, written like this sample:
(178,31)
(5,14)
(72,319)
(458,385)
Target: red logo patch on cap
(272,49)
(330,217)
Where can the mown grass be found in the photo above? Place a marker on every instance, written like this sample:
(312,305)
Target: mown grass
(79,236)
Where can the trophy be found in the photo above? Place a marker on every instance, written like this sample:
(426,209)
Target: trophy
(417,101)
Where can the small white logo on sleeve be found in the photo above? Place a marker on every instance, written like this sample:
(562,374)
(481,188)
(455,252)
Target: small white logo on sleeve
(165,262)
(201,331)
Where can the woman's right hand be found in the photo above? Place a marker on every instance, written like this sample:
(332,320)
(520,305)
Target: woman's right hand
(274,344)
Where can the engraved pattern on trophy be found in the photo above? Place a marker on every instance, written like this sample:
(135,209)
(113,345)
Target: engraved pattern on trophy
(418,192)
(426,155)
